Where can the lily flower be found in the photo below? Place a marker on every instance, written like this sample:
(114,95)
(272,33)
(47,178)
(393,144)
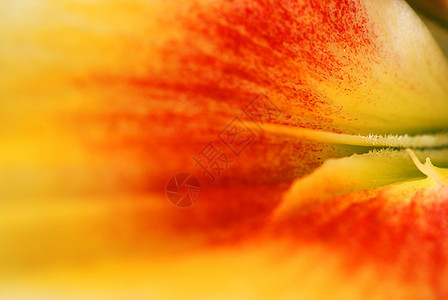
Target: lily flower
(223,149)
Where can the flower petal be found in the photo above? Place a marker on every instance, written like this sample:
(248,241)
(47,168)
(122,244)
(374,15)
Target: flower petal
(374,244)
(398,232)
(107,77)
(354,174)
(111,97)
(439,32)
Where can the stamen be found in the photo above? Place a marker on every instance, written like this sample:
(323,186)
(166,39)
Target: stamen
(378,141)
(428,168)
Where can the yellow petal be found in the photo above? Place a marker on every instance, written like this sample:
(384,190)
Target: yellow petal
(338,177)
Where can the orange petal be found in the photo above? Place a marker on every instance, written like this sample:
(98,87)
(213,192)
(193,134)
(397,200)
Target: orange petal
(378,243)
(397,233)
(132,90)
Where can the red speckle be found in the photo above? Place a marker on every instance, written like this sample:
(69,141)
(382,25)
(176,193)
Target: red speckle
(407,239)
(221,57)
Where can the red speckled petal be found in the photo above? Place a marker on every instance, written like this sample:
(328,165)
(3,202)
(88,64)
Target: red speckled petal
(397,231)
(134,90)
(105,100)
(370,243)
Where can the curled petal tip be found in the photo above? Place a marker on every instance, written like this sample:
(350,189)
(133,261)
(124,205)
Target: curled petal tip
(435,174)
